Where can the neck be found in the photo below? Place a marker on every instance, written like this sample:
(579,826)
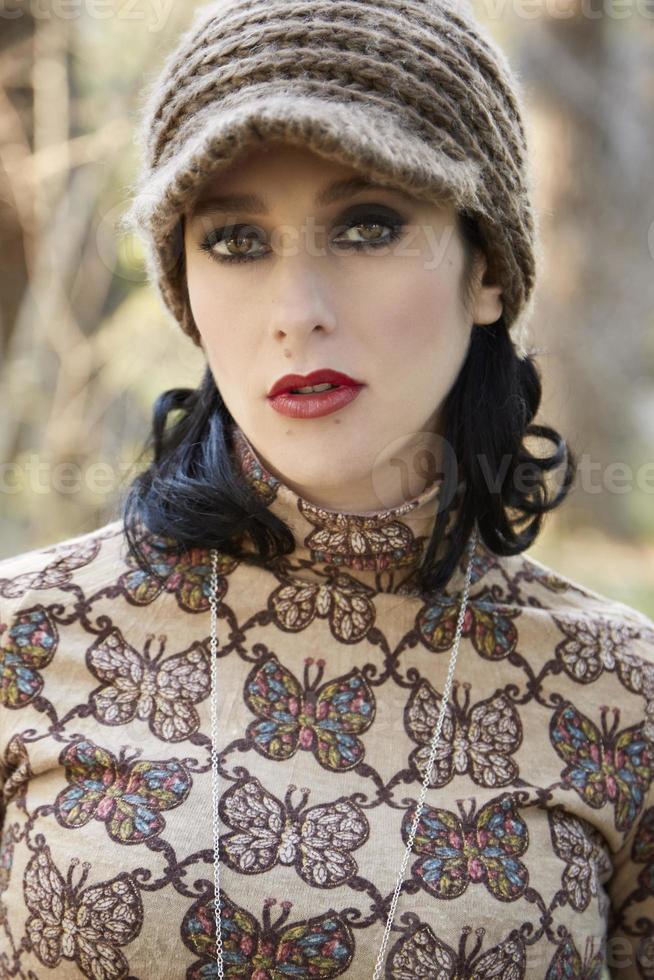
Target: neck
(382,549)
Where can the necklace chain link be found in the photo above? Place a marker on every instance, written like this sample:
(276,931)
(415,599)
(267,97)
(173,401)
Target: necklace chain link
(213,601)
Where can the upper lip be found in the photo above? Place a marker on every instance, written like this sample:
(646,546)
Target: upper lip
(322,376)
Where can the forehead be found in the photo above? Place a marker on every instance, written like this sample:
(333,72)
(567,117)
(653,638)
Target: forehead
(256,203)
(252,182)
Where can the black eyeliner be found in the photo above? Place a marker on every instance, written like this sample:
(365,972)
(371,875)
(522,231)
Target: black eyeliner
(357,214)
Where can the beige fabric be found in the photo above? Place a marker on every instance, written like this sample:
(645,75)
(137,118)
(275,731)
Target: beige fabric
(536,843)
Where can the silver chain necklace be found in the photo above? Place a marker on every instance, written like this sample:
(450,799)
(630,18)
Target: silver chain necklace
(213,600)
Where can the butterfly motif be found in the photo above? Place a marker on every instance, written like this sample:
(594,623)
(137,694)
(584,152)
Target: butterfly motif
(346,604)
(532,570)
(586,855)
(267,832)
(592,646)
(187,577)
(483,846)
(28,648)
(644,956)
(264,484)
(362,542)
(126,795)
(7,841)
(567,963)
(86,926)
(608,766)
(410,956)
(492,633)
(15,774)
(483,561)
(56,573)
(642,850)
(161,692)
(325,720)
(322,946)
(478,740)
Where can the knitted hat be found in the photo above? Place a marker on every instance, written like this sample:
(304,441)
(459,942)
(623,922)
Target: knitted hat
(412,92)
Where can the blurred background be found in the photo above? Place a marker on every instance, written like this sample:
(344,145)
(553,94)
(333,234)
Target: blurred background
(85,345)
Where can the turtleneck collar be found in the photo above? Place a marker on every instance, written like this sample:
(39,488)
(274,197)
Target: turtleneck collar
(381,549)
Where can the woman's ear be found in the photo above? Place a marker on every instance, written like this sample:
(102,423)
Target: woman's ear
(487,305)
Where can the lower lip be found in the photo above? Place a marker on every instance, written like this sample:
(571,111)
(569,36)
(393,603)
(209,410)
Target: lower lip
(313,406)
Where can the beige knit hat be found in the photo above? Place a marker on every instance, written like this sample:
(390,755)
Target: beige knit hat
(412,92)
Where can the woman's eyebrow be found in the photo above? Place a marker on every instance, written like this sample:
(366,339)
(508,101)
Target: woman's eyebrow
(254,204)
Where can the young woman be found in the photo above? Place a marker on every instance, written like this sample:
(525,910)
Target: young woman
(310,668)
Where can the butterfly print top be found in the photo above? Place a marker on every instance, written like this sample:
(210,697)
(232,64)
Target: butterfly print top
(533,855)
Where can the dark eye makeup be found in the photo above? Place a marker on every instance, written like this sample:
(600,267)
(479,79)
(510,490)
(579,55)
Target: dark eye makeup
(359,217)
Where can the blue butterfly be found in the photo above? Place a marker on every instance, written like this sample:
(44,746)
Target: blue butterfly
(603,766)
(480,847)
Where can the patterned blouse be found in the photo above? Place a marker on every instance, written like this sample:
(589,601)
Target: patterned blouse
(534,852)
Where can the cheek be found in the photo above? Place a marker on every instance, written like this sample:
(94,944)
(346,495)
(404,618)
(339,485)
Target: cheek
(416,310)
(202,292)
(221,319)
(217,308)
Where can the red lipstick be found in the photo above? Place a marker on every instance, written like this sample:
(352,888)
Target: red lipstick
(294,404)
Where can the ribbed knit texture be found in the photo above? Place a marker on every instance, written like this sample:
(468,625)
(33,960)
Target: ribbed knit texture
(415,94)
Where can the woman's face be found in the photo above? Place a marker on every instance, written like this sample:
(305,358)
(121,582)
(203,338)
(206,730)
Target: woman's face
(315,293)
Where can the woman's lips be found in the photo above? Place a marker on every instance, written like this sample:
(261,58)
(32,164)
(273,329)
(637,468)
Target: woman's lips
(291,382)
(315,405)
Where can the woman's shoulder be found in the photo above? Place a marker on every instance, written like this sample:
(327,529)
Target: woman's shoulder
(584,648)
(527,581)
(589,624)
(85,561)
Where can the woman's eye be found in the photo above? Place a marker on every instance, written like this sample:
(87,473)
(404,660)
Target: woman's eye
(234,243)
(372,232)
(238,236)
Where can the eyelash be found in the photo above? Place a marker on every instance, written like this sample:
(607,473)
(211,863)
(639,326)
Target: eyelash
(396,226)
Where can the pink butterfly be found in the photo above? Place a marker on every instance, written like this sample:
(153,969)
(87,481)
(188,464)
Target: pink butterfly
(321,947)
(603,766)
(29,646)
(126,795)
(484,846)
(325,720)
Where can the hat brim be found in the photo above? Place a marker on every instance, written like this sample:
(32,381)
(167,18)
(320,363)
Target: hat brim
(427,164)
(357,134)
